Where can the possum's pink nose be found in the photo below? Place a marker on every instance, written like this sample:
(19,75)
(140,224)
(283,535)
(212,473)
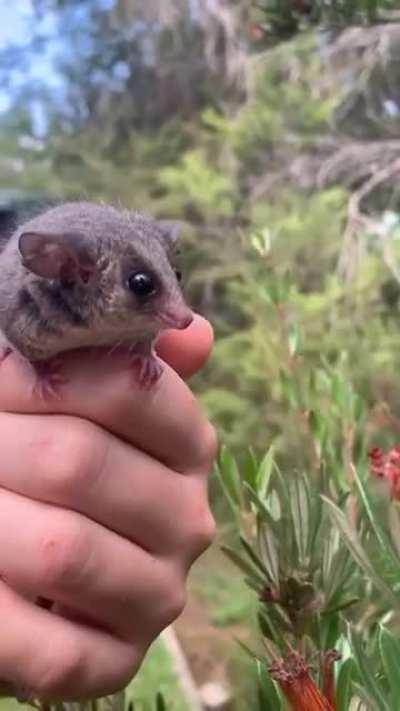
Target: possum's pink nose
(178,318)
(185,320)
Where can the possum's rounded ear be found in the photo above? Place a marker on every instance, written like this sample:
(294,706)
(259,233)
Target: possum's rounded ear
(56,256)
(171,232)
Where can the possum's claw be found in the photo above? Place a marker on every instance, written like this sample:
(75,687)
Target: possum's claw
(48,379)
(4,353)
(147,369)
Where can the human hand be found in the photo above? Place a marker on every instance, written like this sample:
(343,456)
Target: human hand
(103,509)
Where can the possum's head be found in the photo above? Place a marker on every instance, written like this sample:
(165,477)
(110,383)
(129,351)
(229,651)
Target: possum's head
(115,268)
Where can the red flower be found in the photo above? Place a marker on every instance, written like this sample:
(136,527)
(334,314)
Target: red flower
(294,678)
(386,465)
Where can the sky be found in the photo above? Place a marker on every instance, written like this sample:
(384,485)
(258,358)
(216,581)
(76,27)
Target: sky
(16,21)
(15,28)
(13,21)
(12,27)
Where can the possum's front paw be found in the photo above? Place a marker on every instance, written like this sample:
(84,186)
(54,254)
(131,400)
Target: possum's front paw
(4,353)
(48,379)
(146,369)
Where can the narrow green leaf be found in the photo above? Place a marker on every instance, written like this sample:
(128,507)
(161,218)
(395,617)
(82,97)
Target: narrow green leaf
(273,626)
(342,606)
(269,698)
(160,702)
(338,394)
(250,468)
(291,390)
(256,586)
(269,547)
(300,509)
(378,530)
(317,425)
(264,473)
(330,546)
(248,651)
(254,558)
(340,570)
(367,673)
(389,648)
(225,491)
(243,565)
(261,507)
(230,476)
(363,701)
(316,523)
(351,539)
(358,409)
(293,339)
(275,505)
(394,527)
(344,685)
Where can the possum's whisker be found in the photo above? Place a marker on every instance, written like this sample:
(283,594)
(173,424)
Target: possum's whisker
(114,348)
(132,348)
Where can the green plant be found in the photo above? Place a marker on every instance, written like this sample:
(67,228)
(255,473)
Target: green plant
(327,577)
(284,18)
(319,544)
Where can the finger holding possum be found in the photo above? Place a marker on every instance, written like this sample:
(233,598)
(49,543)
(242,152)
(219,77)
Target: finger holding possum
(105,579)
(77,465)
(166,421)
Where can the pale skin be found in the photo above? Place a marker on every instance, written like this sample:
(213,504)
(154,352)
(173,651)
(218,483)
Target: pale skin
(103,509)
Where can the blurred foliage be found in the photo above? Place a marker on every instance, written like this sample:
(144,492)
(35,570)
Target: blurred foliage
(284,18)
(327,579)
(228,598)
(319,546)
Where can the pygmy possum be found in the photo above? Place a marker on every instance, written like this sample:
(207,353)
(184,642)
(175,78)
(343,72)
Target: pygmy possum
(89,275)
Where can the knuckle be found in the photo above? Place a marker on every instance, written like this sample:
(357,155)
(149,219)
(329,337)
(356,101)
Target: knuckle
(126,666)
(172,599)
(197,528)
(203,529)
(208,446)
(71,667)
(63,552)
(69,458)
(62,671)
(207,531)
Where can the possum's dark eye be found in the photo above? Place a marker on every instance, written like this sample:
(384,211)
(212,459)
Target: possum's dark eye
(178,274)
(142,284)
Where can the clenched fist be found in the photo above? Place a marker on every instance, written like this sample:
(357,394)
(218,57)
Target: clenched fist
(103,509)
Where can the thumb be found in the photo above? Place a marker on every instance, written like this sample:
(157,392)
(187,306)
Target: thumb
(187,351)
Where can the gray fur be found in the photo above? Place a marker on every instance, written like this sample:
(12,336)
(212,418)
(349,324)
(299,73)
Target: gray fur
(40,317)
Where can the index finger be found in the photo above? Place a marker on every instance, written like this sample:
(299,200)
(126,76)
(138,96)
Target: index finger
(165,421)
